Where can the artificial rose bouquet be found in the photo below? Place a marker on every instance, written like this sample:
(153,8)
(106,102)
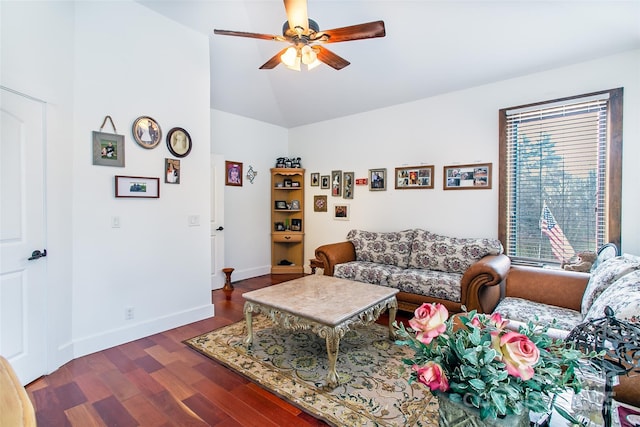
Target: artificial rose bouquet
(475,359)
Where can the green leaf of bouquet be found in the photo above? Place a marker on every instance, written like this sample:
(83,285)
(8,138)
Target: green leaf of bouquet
(474,337)
(500,401)
(478,384)
(471,356)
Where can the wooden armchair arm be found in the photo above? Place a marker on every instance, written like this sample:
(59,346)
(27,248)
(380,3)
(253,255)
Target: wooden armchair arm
(481,283)
(335,253)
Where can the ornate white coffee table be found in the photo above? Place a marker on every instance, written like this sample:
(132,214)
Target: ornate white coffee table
(326,305)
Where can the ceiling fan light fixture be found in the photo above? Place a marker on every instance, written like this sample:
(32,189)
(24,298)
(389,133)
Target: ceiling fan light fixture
(290,56)
(308,55)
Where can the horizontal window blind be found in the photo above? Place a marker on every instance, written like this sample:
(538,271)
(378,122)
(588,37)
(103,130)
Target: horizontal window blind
(556,158)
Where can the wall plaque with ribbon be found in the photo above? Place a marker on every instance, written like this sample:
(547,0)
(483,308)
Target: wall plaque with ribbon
(108,148)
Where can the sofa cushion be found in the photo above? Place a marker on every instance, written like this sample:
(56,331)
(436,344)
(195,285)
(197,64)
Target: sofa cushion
(623,296)
(391,248)
(523,310)
(429,283)
(365,271)
(430,251)
(604,275)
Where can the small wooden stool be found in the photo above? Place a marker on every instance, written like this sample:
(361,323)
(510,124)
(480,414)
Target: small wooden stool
(227,283)
(315,263)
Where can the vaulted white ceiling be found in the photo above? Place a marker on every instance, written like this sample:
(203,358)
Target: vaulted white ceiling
(431,47)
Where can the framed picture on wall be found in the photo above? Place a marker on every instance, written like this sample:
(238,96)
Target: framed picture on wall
(233,175)
(108,149)
(146,132)
(336,183)
(341,211)
(377,179)
(348,180)
(137,187)
(467,177)
(420,177)
(319,203)
(172,171)
(179,142)
(324,182)
(315,179)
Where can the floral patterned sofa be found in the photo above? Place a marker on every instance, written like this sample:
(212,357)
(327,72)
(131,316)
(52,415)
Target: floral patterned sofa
(564,299)
(423,266)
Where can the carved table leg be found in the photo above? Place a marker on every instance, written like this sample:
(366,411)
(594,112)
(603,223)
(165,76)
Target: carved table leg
(333,344)
(393,309)
(248,315)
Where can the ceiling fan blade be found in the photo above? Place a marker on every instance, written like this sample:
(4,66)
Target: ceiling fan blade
(250,35)
(330,58)
(274,61)
(297,14)
(353,32)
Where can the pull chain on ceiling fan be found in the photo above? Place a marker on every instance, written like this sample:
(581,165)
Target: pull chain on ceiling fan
(304,36)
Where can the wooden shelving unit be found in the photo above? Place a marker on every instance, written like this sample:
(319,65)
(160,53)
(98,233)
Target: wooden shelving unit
(287,220)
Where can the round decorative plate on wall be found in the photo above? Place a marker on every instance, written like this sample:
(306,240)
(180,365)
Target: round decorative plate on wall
(146,132)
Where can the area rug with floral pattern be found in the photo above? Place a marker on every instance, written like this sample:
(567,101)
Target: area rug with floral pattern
(373,389)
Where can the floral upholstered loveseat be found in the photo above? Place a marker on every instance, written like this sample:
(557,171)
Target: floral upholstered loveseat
(565,299)
(423,266)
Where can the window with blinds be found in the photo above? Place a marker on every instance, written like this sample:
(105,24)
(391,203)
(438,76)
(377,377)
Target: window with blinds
(560,177)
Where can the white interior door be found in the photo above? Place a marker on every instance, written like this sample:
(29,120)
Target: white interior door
(217,221)
(22,231)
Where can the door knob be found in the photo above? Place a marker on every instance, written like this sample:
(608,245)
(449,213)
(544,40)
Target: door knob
(37,254)
(220,228)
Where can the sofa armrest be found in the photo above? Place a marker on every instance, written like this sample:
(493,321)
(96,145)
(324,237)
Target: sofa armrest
(560,288)
(480,284)
(335,253)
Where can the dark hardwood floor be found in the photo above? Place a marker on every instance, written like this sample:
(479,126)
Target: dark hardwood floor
(159,381)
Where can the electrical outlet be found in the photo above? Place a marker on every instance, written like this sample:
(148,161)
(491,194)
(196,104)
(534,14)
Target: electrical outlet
(128,313)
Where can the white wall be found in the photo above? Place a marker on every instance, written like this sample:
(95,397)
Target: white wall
(73,57)
(248,208)
(454,128)
(46,72)
(155,262)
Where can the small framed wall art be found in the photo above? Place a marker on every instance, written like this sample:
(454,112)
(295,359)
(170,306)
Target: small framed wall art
(146,132)
(414,177)
(467,177)
(324,182)
(233,175)
(341,211)
(377,179)
(179,142)
(319,203)
(172,171)
(348,179)
(336,183)
(315,179)
(108,149)
(137,187)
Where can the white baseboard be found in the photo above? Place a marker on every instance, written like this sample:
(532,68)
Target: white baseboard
(108,339)
(250,272)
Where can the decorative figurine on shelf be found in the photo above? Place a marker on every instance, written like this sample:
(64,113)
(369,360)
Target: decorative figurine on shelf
(280,162)
(295,163)
(288,162)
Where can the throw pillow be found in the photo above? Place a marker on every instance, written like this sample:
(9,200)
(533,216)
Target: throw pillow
(391,248)
(604,275)
(623,296)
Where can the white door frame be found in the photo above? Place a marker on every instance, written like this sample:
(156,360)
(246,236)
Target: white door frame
(217,221)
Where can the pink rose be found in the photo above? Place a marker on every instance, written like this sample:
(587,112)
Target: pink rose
(429,321)
(432,375)
(498,321)
(517,352)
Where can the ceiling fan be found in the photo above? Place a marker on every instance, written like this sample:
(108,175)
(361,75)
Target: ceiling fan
(304,36)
